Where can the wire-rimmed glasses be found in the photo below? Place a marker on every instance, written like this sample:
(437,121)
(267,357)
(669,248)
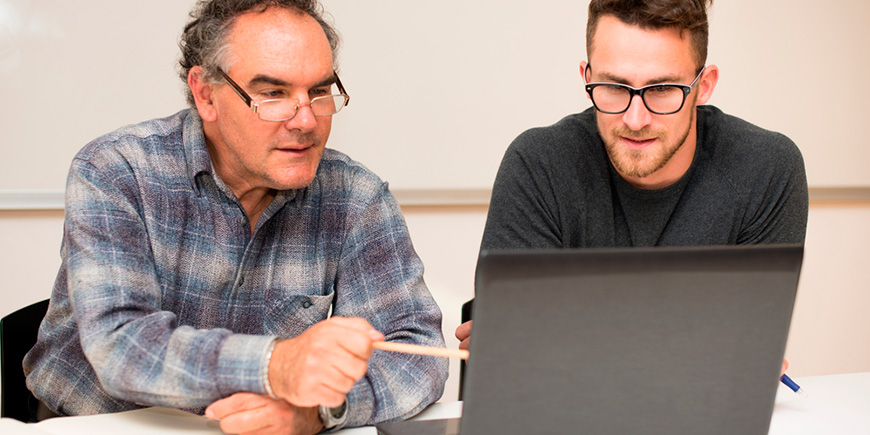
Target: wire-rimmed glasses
(660,98)
(283,109)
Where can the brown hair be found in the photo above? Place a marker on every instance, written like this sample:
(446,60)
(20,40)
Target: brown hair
(686,15)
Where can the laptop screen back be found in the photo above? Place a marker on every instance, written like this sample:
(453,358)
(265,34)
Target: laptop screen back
(629,340)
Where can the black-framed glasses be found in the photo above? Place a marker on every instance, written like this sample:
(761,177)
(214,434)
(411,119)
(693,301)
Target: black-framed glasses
(283,109)
(660,98)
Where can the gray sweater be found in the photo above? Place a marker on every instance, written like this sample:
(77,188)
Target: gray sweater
(556,188)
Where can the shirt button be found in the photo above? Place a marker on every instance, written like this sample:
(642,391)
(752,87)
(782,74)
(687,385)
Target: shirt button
(306,303)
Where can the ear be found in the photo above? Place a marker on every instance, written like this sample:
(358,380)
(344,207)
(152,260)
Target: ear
(707,83)
(202,94)
(584,69)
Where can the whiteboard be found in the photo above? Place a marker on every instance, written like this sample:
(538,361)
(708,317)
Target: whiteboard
(438,89)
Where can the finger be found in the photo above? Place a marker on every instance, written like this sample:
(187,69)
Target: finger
(357,349)
(346,375)
(356,323)
(463,331)
(360,325)
(327,386)
(246,422)
(784,366)
(331,398)
(275,416)
(321,394)
(292,420)
(465,343)
(235,403)
(331,383)
(268,430)
(350,334)
(356,343)
(376,335)
(338,346)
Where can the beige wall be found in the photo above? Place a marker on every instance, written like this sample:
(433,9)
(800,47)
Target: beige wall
(830,329)
(439,89)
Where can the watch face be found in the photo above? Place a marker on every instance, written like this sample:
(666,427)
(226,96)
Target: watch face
(332,417)
(338,412)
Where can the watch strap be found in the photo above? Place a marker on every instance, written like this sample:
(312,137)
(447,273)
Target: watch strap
(333,418)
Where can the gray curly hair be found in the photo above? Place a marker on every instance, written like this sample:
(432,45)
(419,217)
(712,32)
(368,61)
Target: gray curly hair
(204,39)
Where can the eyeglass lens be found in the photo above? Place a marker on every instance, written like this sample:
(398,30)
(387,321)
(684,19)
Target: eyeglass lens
(280,110)
(660,99)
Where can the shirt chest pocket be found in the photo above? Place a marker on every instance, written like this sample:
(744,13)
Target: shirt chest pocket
(288,315)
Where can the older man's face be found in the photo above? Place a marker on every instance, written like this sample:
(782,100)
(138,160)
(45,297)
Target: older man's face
(274,54)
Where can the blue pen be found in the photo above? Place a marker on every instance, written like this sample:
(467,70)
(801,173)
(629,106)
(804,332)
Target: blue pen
(791,384)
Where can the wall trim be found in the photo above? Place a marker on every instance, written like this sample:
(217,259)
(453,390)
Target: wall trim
(48,199)
(31,199)
(53,199)
(852,195)
(442,197)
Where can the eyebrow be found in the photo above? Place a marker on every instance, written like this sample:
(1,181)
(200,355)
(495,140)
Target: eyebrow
(264,79)
(655,81)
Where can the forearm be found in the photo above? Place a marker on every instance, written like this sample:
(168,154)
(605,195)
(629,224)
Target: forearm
(149,362)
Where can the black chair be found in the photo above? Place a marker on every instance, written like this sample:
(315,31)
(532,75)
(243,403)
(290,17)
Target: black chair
(17,335)
(466,316)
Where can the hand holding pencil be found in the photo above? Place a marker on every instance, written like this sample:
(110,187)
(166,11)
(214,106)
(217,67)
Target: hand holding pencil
(391,346)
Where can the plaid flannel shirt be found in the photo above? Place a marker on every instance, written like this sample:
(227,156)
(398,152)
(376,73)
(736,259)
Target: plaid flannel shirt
(164,298)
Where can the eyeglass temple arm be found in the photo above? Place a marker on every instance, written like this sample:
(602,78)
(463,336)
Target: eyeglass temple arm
(241,92)
(341,88)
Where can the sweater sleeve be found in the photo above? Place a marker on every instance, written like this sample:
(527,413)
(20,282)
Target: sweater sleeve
(778,205)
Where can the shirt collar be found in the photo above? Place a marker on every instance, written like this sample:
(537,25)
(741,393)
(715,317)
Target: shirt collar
(195,149)
(199,163)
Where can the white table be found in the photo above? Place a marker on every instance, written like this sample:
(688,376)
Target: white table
(836,404)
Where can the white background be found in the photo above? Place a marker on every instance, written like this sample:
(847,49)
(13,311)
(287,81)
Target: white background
(439,89)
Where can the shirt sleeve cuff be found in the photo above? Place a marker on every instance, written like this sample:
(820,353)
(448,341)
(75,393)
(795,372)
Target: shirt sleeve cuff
(266,382)
(243,364)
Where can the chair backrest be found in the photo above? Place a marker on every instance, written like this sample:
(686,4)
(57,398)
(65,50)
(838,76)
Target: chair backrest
(18,332)
(467,308)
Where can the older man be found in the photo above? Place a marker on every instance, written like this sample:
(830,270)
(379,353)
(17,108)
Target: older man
(204,252)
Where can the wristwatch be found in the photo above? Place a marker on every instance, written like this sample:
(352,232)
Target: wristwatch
(333,417)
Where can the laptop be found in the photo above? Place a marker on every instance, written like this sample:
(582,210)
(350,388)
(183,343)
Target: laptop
(667,340)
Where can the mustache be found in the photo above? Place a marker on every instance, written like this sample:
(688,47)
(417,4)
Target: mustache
(644,133)
(301,137)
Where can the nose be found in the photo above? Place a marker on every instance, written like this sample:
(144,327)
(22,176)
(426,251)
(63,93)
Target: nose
(637,116)
(304,120)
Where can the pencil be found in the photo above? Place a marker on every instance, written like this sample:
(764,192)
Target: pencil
(392,346)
